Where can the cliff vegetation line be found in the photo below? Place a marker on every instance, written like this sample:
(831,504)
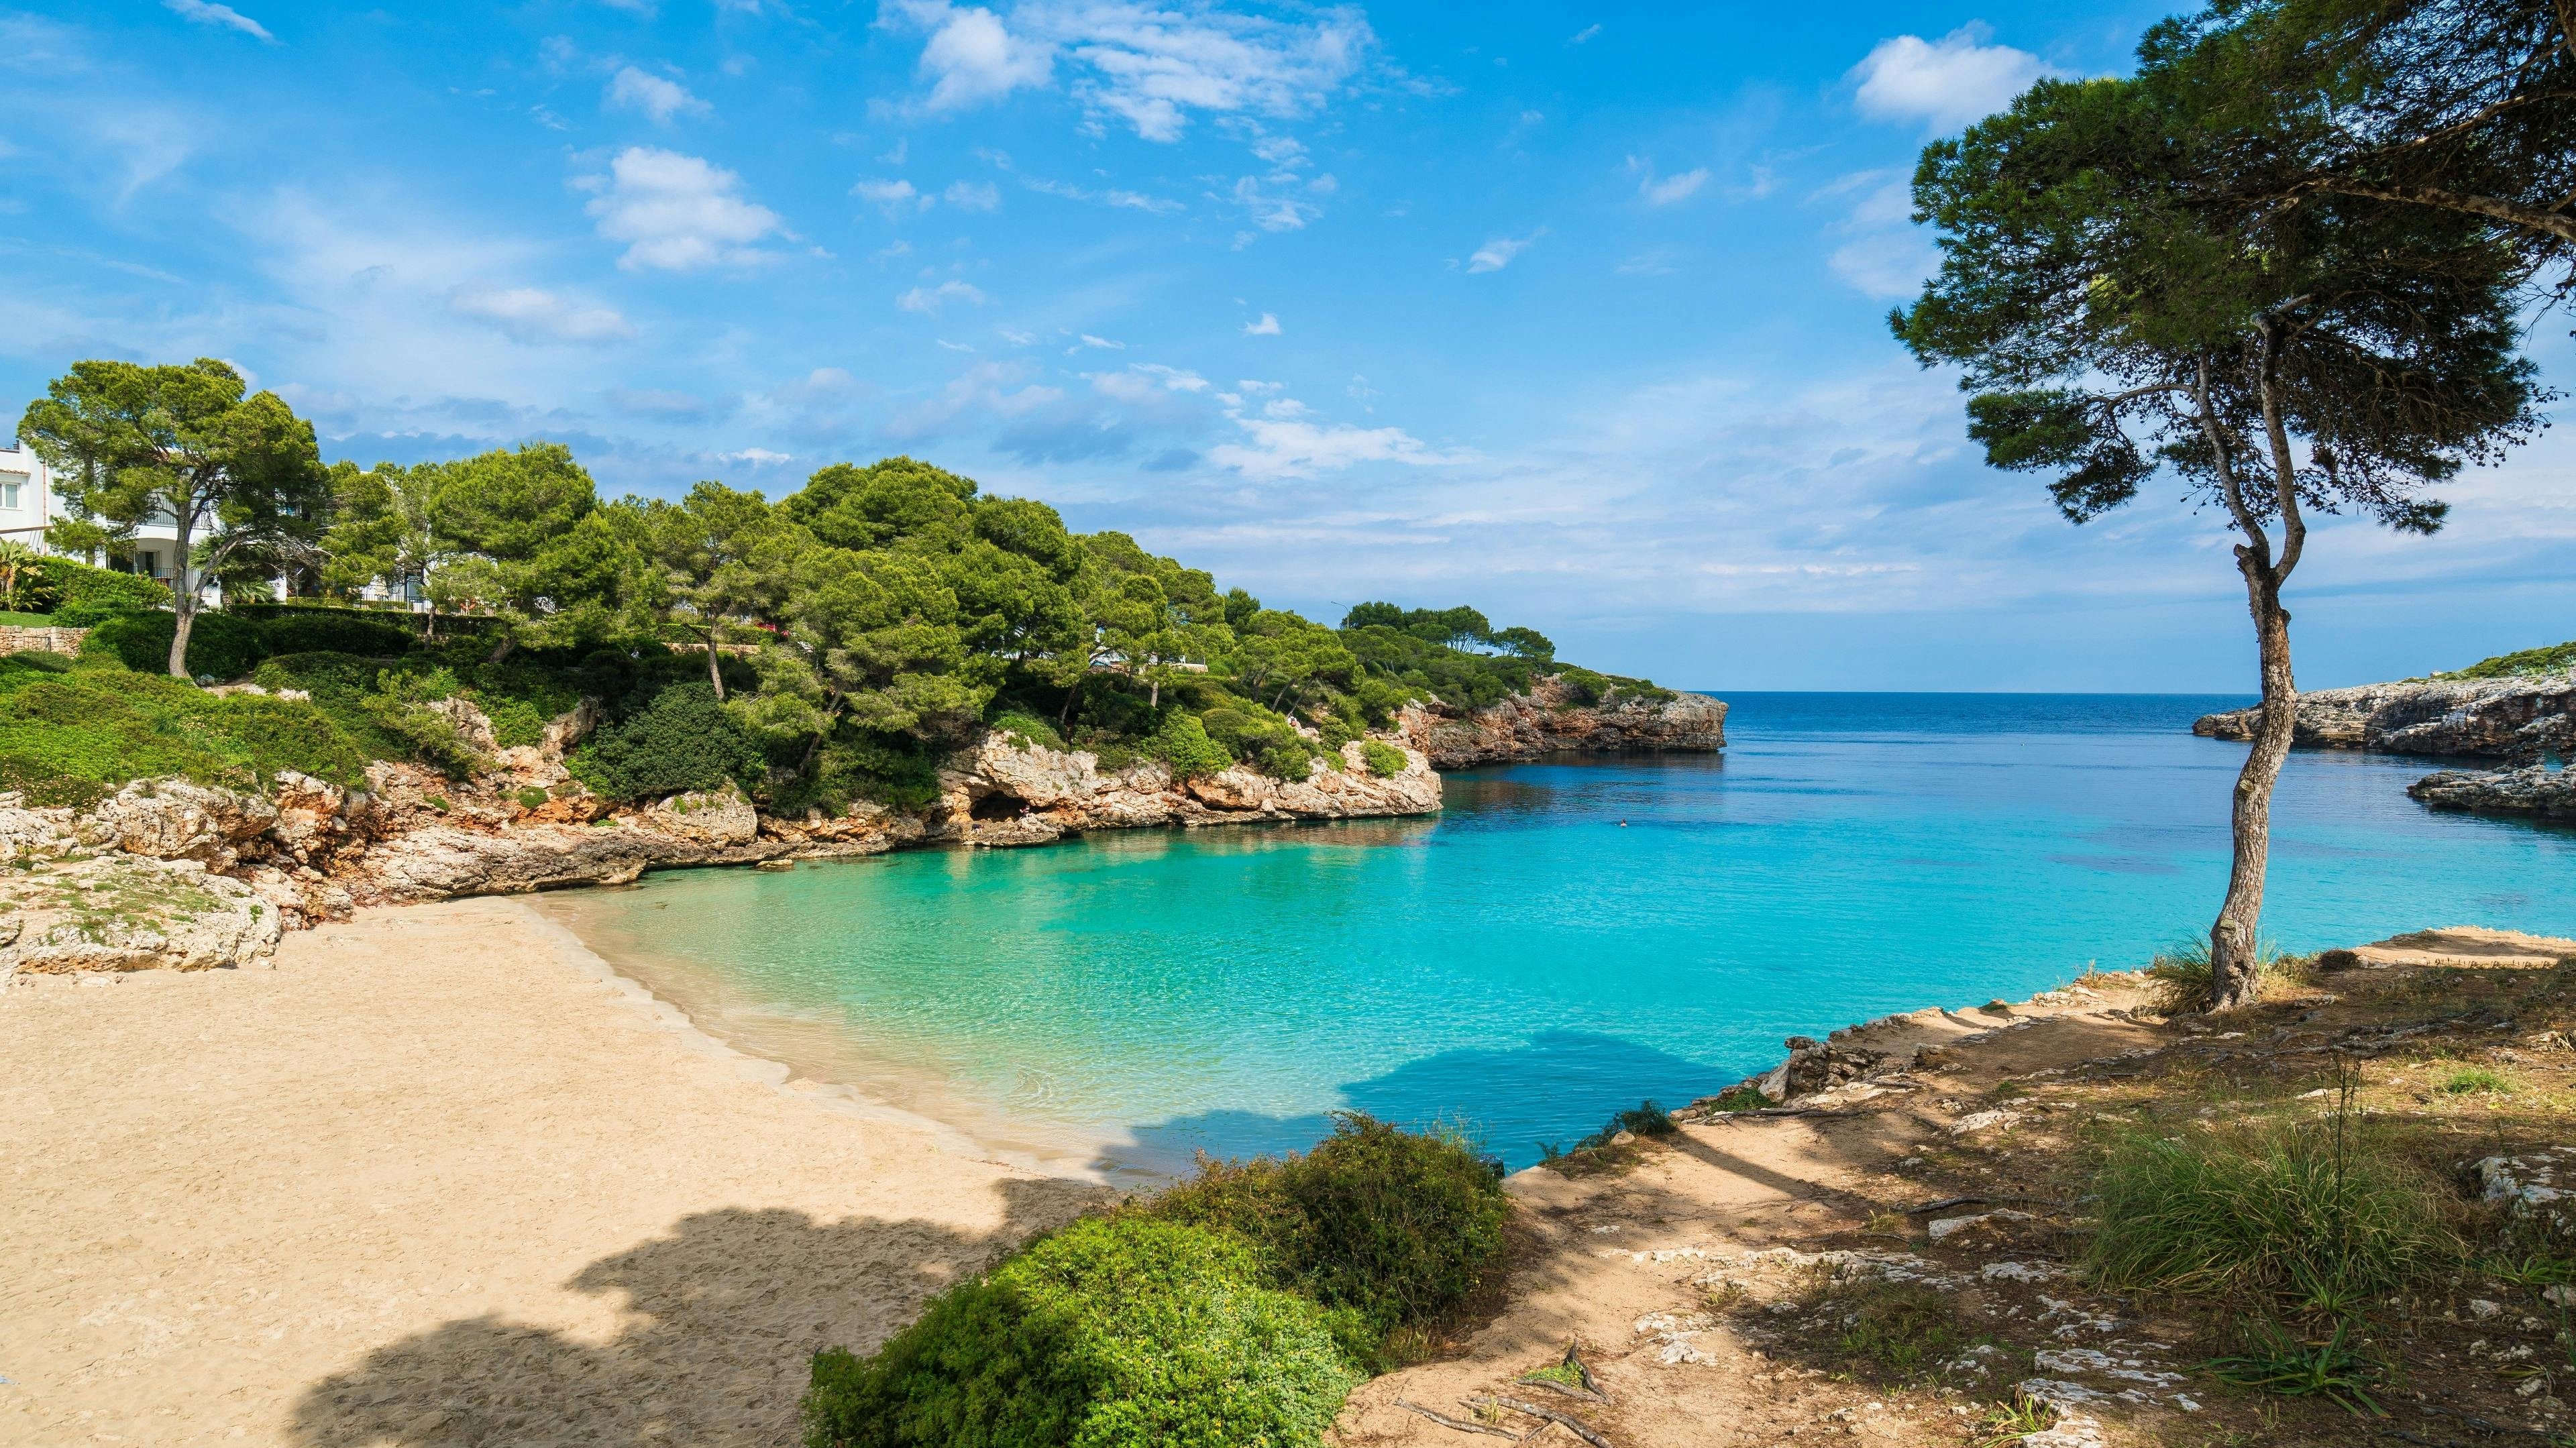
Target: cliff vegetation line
(822,652)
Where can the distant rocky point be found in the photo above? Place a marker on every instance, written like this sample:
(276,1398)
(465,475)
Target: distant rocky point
(2492,710)
(1552,717)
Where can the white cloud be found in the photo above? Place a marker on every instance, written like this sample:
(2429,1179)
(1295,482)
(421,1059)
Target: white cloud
(927,300)
(894,198)
(1102,343)
(222,17)
(678,213)
(1147,65)
(1586,33)
(1274,210)
(971,56)
(1268,326)
(973,195)
(1498,253)
(1946,83)
(1283,444)
(759,457)
(1883,254)
(1672,188)
(634,90)
(528,314)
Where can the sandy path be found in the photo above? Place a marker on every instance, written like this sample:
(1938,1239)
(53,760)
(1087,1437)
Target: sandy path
(433,1181)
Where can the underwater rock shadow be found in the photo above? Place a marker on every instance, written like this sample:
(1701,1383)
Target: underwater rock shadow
(1558,1087)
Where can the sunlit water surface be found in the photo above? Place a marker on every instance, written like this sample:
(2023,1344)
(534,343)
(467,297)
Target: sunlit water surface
(1567,938)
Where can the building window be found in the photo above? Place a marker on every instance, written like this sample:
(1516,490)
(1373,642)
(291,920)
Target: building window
(12,487)
(148,563)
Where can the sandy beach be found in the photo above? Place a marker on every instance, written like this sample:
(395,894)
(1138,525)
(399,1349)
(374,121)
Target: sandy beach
(438,1179)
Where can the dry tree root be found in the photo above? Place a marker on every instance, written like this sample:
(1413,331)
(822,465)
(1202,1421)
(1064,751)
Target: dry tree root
(1574,1425)
(1461,1424)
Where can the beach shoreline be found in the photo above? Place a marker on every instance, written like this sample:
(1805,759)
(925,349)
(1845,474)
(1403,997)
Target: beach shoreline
(435,1176)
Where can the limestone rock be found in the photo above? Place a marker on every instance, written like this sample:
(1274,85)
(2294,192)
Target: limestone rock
(32,834)
(1814,1066)
(1548,719)
(442,861)
(173,819)
(2532,789)
(124,912)
(2492,717)
(2538,1187)
(719,820)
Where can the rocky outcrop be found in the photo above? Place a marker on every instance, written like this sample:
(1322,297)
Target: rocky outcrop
(1008,792)
(172,819)
(1549,718)
(2531,789)
(120,912)
(2494,718)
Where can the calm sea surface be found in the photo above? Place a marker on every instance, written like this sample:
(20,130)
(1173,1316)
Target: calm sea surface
(1569,937)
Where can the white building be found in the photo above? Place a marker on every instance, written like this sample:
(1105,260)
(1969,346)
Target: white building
(29,505)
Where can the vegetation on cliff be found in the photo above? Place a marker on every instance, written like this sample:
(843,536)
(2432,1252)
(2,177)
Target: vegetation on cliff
(829,647)
(2552,659)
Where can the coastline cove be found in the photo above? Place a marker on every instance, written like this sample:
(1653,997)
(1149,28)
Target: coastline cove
(1566,938)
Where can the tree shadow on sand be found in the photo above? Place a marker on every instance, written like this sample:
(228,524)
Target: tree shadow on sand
(728,1308)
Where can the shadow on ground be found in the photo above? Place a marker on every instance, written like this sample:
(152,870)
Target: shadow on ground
(725,1311)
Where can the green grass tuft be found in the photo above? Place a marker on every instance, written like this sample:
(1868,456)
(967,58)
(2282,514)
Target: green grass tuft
(2277,1361)
(2474,1081)
(2320,1214)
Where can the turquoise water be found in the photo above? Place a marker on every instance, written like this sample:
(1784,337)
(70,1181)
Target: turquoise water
(1569,937)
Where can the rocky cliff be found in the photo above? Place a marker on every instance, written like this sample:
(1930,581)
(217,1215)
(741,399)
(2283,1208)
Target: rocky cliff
(2529,789)
(171,873)
(1550,718)
(2494,718)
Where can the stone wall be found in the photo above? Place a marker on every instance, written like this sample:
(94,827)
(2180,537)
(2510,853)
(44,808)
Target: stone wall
(15,639)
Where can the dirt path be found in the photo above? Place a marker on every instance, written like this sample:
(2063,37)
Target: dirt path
(1771,1279)
(431,1181)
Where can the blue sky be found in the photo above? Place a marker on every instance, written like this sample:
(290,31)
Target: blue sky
(1572,312)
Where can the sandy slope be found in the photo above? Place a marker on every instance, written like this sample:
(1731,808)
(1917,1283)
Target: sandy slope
(434,1180)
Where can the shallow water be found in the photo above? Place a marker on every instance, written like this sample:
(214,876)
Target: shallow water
(1569,937)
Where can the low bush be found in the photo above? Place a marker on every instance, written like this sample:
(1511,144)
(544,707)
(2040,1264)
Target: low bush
(680,740)
(78,595)
(1183,745)
(1024,729)
(1394,1229)
(1643,1119)
(69,735)
(231,644)
(2322,1214)
(1384,760)
(1123,1330)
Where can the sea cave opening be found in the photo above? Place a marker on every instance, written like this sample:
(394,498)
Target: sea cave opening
(998,806)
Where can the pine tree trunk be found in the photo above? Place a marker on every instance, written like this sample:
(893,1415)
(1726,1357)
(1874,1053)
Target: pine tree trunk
(2233,942)
(715,675)
(183,599)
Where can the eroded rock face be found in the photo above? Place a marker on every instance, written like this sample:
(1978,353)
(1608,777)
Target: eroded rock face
(2532,789)
(1002,793)
(440,862)
(719,821)
(127,912)
(1547,719)
(172,819)
(2495,718)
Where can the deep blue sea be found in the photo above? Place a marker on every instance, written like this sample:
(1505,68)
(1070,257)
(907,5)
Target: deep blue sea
(1567,938)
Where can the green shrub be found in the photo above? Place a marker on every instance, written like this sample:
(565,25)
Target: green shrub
(1183,745)
(681,740)
(533,797)
(2324,1214)
(1583,686)
(1397,1229)
(1289,762)
(1024,729)
(1114,1332)
(65,733)
(1384,760)
(2474,1081)
(1643,1119)
(2552,659)
(60,585)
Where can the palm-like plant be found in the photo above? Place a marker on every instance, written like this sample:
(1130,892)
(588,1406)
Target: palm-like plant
(16,559)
